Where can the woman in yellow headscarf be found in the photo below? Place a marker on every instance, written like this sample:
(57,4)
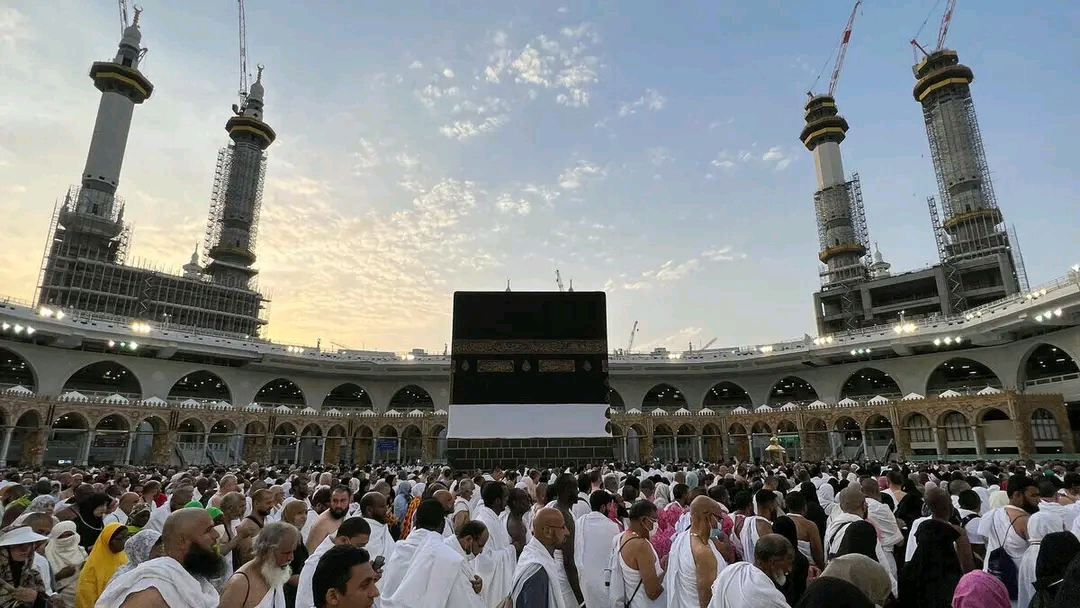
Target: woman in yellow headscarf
(106,556)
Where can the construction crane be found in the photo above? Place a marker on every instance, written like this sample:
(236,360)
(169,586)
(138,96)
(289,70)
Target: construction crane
(943,32)
(630,343)
(840,55)
(243,53)
(558,280)
(708,344)
(123,16)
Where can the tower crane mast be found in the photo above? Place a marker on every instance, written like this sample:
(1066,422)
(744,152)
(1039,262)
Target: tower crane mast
(842,54)
(243,52)
(558,280)
(943,32)
(123,16)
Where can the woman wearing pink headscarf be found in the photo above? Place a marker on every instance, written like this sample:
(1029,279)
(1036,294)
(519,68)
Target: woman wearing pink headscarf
(978,589)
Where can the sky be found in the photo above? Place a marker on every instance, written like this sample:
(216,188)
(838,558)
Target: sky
(426,147)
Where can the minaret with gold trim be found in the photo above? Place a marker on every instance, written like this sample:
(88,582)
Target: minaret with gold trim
(237,198)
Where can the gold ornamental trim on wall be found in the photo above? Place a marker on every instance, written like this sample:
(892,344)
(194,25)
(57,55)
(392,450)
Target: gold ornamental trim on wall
(500,366)
(556,366)
(529,347)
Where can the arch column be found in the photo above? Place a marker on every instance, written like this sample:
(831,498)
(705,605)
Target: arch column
(8,432)
(84,453)
(1024,441)
(979,436)
(162,448)
(131,435)
(34,446)
(941,443)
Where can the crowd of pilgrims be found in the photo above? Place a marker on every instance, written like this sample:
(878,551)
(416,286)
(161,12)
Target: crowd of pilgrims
(965,535)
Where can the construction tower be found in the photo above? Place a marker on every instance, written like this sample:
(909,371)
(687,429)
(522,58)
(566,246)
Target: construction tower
(88,227)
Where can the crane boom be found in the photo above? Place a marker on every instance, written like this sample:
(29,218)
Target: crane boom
(243,52)
(558,280)
(943,31)
(630,343)
(123,16)
(843,49)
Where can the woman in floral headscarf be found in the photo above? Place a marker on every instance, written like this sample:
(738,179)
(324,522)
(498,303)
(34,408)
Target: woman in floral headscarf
(139,548)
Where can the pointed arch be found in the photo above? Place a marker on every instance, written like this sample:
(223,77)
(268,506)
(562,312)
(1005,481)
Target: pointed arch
(201,385)
(1045,363)
(664,396)
(962,375)
(348,397)
(15,370)
(615,400)
(792,389)
(411,397)
(104,378)
(280,391)
(869,382)
(726,396)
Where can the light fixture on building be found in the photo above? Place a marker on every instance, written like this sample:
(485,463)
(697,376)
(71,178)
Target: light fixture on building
(766,349)
(823,340)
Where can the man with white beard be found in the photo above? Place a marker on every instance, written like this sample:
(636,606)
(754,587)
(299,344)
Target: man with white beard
(756,584)
(260,582)
(442,575)
(495,564)
(593,548)
(430,522)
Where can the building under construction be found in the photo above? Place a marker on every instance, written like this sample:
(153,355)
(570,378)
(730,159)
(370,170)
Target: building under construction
(84,263)
(976,263)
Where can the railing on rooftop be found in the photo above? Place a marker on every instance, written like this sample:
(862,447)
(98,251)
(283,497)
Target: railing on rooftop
(805,344)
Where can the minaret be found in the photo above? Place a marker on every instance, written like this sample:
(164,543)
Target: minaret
(879,268)
(95,212)
(192,270)
(237,198)
(837,203)
(971,219)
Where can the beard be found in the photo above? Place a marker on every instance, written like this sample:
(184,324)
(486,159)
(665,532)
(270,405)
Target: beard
(264,512)
(274,575)
(1031,508)
(206,563)
(338,513)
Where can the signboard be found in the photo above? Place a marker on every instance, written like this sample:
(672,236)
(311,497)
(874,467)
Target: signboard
(789,441)
(111,440)
(385,445)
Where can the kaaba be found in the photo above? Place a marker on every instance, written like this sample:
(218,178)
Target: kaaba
(529,380)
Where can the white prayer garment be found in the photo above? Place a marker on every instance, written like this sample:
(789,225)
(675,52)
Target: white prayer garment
(440,577)
(534,557)
(592,548)
(680,580)
(1047,521)
(495,564)
(744,585)
(304,594)
(405,552)
(178,588)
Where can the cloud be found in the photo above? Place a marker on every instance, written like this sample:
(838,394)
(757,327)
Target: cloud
(567,66)
(722,254)
(447,73)
(14,29)
(610,285)
(776,155)
(637,286)
(670,271)
(465,129)
(508,204)
(651,101)
(407,160)
(416,65)
(660,156)
(573,177)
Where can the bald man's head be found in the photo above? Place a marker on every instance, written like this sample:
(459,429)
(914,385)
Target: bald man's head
(939,502)
(446,499)
(852,501)
(549,527)
(870,488)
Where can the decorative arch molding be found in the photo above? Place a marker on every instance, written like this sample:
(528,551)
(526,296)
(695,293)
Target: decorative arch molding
(996,367)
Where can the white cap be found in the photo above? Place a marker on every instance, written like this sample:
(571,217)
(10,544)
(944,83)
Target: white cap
(22,535)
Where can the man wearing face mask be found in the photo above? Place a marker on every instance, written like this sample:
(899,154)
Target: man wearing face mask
(695,560)
(756,585)
(442,575)
(641,572)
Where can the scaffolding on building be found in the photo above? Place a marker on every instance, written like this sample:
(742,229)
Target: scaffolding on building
(953,280)
(1018,260)
(850,193)
(236,202)
(972,222)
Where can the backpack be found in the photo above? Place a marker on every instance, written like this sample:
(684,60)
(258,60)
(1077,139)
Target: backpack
(1001,564)
(613,578)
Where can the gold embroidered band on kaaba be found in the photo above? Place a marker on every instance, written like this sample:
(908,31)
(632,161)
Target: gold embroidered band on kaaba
(501,366)
(529,347)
